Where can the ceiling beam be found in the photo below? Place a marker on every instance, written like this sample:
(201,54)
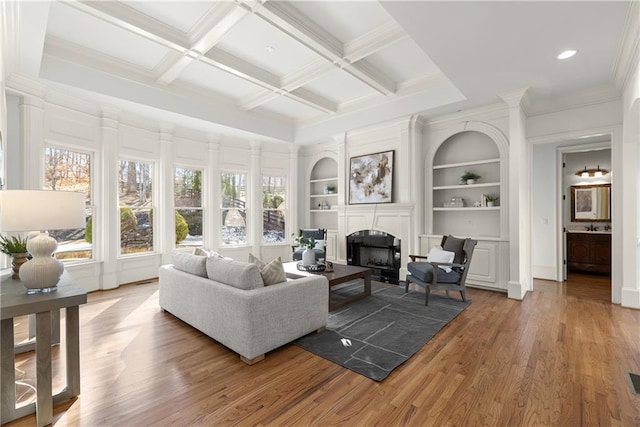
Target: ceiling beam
(291,21)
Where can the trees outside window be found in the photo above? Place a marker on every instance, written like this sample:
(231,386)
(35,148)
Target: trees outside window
(233,204)
(187,199)
(274,209)
(70,170)
(135,196)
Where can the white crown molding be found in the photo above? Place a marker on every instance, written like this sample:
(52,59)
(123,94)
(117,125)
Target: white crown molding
(583,98)
(518,98)
(22,84)
(71,52)
(629,52)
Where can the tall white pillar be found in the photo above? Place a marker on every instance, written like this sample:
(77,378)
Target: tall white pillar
(165,218)
(520,279)
(32,134)
(294,179)
(212,220)
(106,217)
(255,197)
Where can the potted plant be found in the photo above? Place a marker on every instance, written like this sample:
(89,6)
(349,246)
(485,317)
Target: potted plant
(308,256)
(331,188)
(491,200)
(15,247)
(470,177)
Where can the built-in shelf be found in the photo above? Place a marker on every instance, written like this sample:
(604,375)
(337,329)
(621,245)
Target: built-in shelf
(470,208)
(463,164)
(324,195)
(461,186)
(313,181)
(323,210)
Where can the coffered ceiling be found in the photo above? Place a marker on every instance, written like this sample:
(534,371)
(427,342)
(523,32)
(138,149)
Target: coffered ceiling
(303,71)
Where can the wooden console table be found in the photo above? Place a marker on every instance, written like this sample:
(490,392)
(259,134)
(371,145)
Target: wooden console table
(15,302)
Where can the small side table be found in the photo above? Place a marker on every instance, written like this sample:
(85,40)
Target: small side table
(15,302)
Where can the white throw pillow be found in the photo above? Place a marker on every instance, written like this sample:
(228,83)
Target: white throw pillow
(437,254)
(320,244)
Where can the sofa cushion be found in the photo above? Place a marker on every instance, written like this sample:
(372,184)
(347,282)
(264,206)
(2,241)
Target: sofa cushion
(241,275)
(272,272)
(190,263)
(424,272)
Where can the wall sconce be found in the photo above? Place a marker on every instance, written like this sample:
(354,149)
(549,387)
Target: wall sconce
(589,173)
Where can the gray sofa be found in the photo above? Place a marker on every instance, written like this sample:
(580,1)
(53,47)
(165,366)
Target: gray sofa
(249,321)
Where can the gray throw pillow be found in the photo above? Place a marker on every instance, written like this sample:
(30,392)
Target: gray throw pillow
(241,275)
(190,263)
(272,272)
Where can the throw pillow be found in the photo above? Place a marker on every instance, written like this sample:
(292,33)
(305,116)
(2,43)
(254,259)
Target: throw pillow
(241,275)
(189,263)
(271,272)
(320,244)
(206,252)
(437,254)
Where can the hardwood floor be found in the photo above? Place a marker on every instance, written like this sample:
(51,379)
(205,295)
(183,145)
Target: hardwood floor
(560,357)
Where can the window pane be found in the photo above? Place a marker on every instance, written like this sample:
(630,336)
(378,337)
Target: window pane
(234,204)
(273,209)
(136,214)
(187,188)
(191,228)
(234,226)
(234,190)
(67,170)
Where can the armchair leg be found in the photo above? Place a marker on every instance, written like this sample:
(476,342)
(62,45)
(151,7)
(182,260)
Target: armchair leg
(427,291)
(464,297)
(406,284)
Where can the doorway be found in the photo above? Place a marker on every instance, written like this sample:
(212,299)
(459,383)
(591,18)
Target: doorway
(586,218)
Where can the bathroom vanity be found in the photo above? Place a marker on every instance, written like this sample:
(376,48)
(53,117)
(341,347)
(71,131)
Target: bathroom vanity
(589,251)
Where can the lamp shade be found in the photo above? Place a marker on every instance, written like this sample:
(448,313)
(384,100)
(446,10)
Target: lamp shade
(31,210)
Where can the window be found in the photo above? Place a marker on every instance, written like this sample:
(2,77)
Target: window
(234,208)
(136,206)
(274,211)
(67,170)
(187,199)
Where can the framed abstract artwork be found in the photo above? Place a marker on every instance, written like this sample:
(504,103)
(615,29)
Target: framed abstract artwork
(371,178)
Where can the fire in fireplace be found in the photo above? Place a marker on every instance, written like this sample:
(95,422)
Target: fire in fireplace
(376,250)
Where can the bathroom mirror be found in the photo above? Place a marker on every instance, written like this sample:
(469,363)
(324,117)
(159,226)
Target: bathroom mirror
(591,203)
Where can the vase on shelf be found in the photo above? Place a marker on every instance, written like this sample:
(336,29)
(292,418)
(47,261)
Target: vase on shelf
(471,181)
(490,204)
(308,257)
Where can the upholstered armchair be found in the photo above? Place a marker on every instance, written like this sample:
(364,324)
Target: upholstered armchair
(320,250)
(446,267)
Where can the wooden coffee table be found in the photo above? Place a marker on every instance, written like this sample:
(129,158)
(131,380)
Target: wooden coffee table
(340,274)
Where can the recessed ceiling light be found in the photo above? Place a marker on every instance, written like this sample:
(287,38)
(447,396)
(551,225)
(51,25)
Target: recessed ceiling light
(567,54)
(269,49)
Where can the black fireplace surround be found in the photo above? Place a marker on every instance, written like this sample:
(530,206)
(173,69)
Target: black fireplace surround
(376,250)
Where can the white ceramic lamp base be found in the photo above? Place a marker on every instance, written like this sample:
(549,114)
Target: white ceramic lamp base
(42,272)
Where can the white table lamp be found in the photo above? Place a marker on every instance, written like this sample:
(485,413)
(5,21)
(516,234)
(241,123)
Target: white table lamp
(28,210)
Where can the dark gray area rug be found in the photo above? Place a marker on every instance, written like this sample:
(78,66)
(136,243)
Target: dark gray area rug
(377,334)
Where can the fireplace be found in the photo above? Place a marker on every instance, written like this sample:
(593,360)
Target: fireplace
(376,250)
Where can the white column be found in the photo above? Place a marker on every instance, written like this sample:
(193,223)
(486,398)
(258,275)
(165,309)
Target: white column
(255,205)
(32,134)
(106,218)
(294,180)
(630,293)
(520,280)
(164,217)
(212,221)
(343,196)
(417,188)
